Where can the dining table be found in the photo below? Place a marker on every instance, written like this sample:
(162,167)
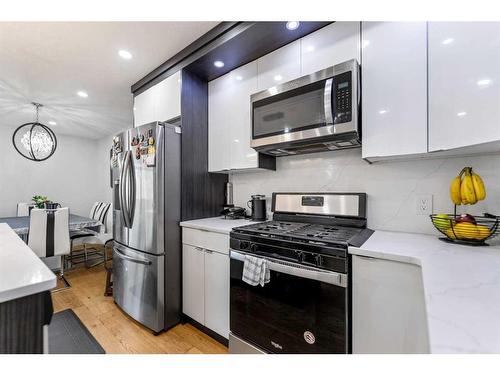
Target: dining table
(21,224)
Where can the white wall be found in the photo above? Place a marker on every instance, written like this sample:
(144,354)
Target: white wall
(73,176)
(391,186)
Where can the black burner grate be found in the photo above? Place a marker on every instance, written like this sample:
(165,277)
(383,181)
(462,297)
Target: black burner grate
(302,231)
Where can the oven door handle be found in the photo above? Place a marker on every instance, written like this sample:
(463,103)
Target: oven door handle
(289,268)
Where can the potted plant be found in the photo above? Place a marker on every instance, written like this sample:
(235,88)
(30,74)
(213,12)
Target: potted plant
(40,201)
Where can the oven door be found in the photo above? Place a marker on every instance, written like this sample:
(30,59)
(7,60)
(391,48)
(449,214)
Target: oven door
(301,309)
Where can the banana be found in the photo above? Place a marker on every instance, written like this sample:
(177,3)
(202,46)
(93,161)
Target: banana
(467,188)
(455,190)
(478,184)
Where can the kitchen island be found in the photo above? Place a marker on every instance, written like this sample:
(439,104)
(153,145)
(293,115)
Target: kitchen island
(461,288)
(25,304)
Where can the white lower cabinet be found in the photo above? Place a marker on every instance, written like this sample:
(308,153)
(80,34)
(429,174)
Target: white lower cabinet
(388,307)
(193,290)
(217,292)
(205,281)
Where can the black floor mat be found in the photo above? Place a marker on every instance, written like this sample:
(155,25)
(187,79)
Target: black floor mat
(68,335)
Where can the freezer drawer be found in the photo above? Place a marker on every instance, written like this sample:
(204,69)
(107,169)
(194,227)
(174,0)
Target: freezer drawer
(138,285)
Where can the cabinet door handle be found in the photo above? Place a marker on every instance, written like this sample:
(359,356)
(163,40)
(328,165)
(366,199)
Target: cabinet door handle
(367,257)
(208,251)
(199,249)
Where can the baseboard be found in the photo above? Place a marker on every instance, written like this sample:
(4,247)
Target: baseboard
(205,330)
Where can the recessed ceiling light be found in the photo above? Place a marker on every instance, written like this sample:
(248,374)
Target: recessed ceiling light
(239,78)
(447,41)
(218,64)
(278,77)
(52,123)
(483,82)
(125,54)
(82,94)
(292,25)
(461,114)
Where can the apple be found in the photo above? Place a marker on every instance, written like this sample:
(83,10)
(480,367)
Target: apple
(442,222)
(465,218)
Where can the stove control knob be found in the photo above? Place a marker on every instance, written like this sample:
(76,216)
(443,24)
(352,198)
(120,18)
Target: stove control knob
(253,248)
(244,245)
(299,255)
(319,260)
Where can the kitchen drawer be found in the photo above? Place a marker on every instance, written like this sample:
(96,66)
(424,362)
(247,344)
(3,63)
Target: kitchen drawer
(205,239)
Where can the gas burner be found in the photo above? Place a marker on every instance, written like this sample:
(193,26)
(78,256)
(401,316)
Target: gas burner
(273,227)
(301,231)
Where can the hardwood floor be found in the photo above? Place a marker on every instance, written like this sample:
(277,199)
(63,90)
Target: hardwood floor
(114,330)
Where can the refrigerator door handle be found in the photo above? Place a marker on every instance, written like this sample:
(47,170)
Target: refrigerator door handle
(132,259)
(132,190)
(123,188)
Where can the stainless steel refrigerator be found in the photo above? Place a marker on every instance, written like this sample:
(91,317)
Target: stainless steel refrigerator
(146,178)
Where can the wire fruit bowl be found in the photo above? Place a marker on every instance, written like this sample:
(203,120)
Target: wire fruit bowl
(467,229)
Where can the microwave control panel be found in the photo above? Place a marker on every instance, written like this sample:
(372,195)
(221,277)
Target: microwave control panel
(342,98)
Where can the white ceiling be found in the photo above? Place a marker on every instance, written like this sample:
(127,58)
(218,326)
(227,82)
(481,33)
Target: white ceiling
(48,62)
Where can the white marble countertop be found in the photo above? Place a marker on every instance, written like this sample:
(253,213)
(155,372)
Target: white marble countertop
(21,272)
(461,287)
(216,224)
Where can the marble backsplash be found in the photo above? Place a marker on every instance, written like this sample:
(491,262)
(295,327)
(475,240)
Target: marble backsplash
(392,186)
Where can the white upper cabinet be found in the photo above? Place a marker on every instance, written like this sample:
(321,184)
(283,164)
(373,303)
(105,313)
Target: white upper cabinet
(168,99)
(229,120)
(244,84)
(219,123)
(464,84)
(394,88)
(333,44)
(279,66)
(159,103)
(145,107)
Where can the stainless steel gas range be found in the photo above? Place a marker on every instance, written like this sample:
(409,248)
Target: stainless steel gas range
(305,306)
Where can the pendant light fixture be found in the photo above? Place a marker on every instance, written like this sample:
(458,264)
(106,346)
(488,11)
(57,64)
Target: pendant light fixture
(34,140)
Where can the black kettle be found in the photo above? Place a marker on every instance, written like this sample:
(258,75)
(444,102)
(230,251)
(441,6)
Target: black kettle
(258,206)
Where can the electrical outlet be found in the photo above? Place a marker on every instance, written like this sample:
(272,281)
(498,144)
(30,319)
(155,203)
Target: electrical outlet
(424,204)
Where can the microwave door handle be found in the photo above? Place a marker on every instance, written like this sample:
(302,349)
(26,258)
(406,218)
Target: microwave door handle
(327,101)
(298,270)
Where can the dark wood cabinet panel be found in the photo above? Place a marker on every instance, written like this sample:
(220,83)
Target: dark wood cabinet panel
(21,323)
(202,192)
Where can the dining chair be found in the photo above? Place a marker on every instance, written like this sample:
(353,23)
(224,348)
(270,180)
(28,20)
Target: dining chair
(23,209)
(48,234)
(102,212)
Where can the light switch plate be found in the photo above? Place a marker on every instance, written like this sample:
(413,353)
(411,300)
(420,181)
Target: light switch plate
(424,204)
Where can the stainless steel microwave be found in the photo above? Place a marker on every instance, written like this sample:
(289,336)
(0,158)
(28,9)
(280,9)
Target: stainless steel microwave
(317,112)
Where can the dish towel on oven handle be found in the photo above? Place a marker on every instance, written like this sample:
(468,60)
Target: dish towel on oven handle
(255,271)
